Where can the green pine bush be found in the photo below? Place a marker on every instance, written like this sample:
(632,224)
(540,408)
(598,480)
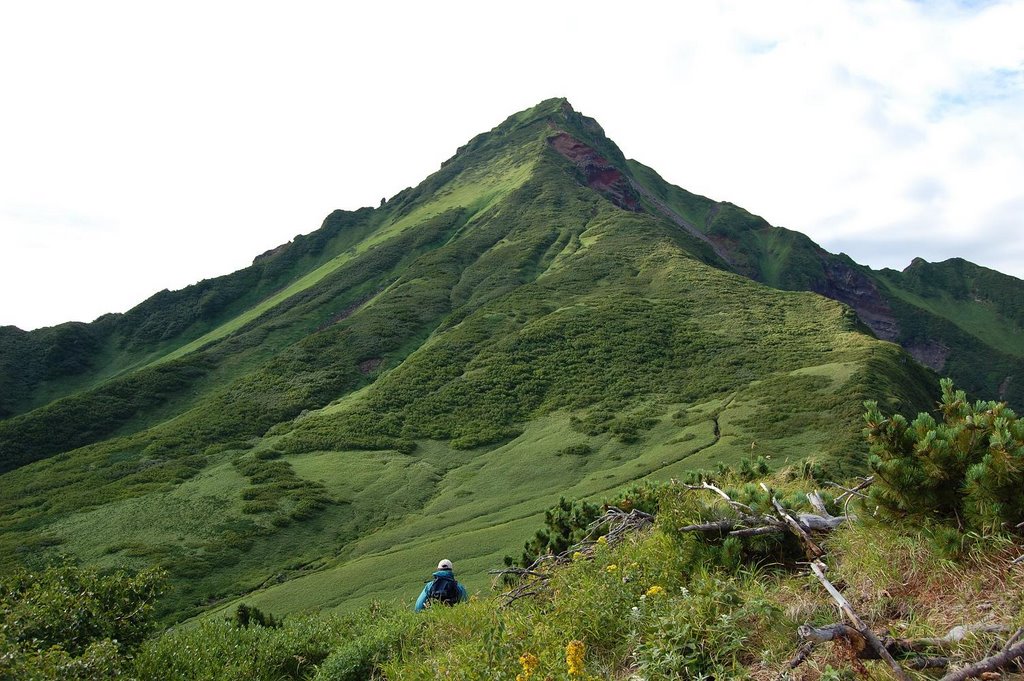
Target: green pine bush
(968,467)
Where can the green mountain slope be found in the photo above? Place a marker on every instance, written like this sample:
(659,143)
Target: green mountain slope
(539,318)
(955,317)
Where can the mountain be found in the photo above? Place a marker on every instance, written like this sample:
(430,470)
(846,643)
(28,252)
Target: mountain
(539,318)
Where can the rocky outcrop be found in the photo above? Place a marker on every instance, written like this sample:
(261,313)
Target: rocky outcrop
(271,253)
(848,285)
(930,353)
(598,172)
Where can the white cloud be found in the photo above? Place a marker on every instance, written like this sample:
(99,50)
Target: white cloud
(163,145)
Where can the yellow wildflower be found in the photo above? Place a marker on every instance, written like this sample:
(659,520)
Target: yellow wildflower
(612,568)
(529,662)
(602,539)
(574,652)
(655,590)
(576,555)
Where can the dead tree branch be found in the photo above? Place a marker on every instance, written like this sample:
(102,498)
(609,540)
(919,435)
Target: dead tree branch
(802,654)
(897,646)
(817,503)
(813,549)
(818,568)
(921,663)
(911,652)
(735,504)
(850,493)
(620,524)
(748,524)
(855,490)
(1011,653)
(533,579)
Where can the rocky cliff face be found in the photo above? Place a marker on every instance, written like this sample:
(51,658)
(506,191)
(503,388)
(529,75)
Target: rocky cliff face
(600,174)
(848,285)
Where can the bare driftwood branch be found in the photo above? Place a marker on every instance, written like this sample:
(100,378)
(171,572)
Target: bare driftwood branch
(744,525)
(735,504)
(724,525)
(827,633)
(1011,653)
(855,490)
(1018,560)
(911,652)
(813,549)
(847,491)
(850,493)
(811,521)
(897,646)
(751,525)
(817,503)
(953,636)
(757,531)
(819,571)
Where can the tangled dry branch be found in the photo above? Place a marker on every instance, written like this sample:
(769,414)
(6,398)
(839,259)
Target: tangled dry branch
(613,526)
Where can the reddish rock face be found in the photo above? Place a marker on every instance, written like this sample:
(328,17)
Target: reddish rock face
(600,174)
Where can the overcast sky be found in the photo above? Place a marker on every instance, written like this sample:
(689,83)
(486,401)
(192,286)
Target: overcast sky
(149,145)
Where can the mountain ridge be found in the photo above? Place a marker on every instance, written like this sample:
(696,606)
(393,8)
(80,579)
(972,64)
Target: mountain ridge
(436,358)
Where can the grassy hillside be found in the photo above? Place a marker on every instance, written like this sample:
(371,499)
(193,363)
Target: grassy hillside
(429,377)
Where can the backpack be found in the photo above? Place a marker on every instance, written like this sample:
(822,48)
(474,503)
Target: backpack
(444,590)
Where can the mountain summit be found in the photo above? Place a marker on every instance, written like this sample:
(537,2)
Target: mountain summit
(539,318)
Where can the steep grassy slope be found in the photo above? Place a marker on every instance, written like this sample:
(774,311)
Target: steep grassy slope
(409,381)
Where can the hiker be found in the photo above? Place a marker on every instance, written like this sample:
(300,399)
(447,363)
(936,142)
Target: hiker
(442,588)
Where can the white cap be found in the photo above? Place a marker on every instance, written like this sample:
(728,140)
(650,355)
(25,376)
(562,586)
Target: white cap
(444,565)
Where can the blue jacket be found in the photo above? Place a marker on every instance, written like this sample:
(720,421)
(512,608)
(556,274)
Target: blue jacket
(422,600)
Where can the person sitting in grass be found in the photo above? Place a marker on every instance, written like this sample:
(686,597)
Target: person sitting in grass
(442,588)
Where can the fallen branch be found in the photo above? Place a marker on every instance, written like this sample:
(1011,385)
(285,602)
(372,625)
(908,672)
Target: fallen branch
(533,579)
(749,525)
(801,654)
(817,503)
(855,490)
(954,636)
(1011,652)
(897,646)
(922,663)
(850,493)
(708,486)
(813,549)
(912,653)
(818,568)
(620,524)
(745,525)
(1017,561)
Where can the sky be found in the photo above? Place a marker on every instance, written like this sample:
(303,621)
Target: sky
(146,146)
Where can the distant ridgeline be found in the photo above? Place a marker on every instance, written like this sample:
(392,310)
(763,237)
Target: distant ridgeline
(539,318)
